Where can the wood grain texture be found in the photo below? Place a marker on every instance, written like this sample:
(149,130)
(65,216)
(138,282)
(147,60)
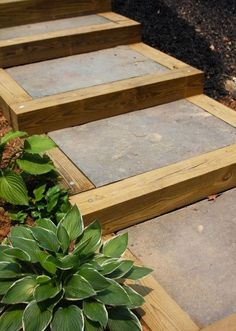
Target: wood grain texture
(160,312)
(154,193)
(30,49)
(10,93)
(106,100)
(227,324)
(18,12)
(217,109)
(72,178)
(158,56)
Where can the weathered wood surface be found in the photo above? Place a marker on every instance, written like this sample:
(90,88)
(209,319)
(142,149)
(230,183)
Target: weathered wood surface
(72,178)
(154,193)
(18,12)
(106,100)
(51,45)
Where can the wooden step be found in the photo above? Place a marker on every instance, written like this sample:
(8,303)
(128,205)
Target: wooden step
(152,161)
(69,91)
(52,39)
(18,12)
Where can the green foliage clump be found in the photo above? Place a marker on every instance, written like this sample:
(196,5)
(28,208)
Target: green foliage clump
(28,161)
(63,278)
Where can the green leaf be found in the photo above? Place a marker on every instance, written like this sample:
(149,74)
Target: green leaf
(68,319)
(18,217)
(110,266)
(42,279)
(21,291)
(73,223)
(12,135)
(77,288)
(46,263)
(39,192)
(63,237)
(17,253)
(136,299)
(36,317)
(46,238)
(27,245)
(92,237)
(11,319)
(116,246)
(137,273)
(47,224)
(38,144)
(5,285)
(124,267)
(97,281)
(21,231)
(114,295)
(13,189)
(9,270)
(123,319)
(96,312)
(35,164)
(91,326)
(46,291)
(66,262)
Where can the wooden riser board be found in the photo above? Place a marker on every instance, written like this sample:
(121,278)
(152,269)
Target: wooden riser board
(49,40)
(18,12)
(125,83)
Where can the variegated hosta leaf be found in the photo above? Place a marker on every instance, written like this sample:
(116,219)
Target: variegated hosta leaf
(116,246)
(98,281)
(123,319)
(137,273)
(69,318)
(96,311)
(77,288)
(11,319)
(114,295)
(13,189)
(73,223)
(36,317)
(22,291)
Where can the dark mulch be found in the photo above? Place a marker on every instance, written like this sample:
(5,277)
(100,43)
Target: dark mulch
(201,33)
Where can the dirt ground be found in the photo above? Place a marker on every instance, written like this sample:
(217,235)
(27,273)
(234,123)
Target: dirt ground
(201,33)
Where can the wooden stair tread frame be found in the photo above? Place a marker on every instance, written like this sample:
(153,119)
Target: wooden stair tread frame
(71,178)
(84,105)
(114,31)
(19,12)
(139,198)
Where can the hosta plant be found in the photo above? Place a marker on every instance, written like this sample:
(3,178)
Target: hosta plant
(27,161)
(52,202)
(63,278)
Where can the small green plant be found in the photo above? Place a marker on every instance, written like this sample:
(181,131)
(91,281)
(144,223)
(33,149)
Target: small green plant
(63,278)
(27,161)
(50,203)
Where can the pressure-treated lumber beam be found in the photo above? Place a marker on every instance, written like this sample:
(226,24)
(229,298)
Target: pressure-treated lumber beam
(18,12)
(28,49)
(227,324)
(136,199)
(106,100)
(215,108)
(72,177)
(10,93)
